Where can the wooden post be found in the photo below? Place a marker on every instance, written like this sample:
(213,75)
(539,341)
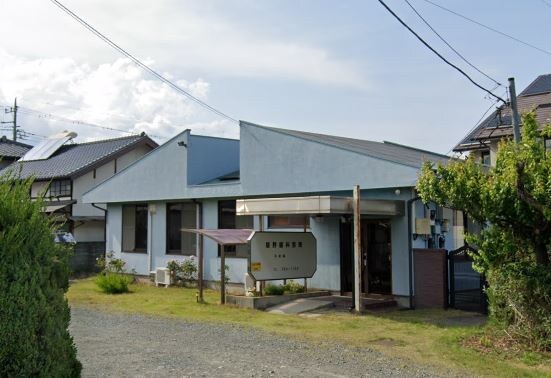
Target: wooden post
(200,269)
(357,251)
(305,229)
(199,224)
(222,275)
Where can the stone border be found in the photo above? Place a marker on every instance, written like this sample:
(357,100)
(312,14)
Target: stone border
(261,303)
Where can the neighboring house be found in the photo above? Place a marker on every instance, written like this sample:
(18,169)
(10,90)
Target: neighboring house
(68,170)
(194,181)
(11,151)
(482,141)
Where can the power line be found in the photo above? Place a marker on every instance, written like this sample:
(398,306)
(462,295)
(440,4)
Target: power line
(437,53)
(449,45)
(140,64)
(40,114)
(489,28)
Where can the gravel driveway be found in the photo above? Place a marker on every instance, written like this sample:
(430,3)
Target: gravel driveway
(122,345)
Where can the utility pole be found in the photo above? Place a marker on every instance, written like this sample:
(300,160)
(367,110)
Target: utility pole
(14,122)
(514,110)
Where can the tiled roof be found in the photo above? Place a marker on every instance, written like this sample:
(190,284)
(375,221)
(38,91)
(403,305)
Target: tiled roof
(73,159)
(11,149)
(382,150)
(537,96)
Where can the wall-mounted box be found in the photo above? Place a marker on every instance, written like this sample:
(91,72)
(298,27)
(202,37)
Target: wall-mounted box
(422,226)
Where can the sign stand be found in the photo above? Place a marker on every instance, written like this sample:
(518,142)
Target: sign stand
(357,251)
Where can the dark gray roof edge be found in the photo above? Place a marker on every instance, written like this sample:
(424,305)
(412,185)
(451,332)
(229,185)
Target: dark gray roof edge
(213,137)
(285,132)
(417,149)
(140,159)
(539,77)
(4,139)
(143,140)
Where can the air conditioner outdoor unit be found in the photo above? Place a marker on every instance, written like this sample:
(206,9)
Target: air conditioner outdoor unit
(162,277)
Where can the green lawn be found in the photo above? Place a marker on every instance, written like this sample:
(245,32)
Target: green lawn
(413,335)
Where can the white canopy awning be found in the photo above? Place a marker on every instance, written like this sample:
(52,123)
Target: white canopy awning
(317,205)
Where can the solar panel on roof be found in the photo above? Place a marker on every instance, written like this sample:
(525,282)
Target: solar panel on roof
(48,147)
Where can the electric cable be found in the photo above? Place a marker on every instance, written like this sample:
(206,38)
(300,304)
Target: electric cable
(489,27)
(140,64)
(450,46)
(437,53)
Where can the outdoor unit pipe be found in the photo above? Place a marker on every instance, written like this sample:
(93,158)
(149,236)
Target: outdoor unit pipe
(410,247)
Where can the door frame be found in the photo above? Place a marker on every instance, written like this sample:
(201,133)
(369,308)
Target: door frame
(347,253)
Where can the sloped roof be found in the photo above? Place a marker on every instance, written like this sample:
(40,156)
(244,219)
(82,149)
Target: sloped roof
(71,160)
(12,149)
(536,96)
(389,151)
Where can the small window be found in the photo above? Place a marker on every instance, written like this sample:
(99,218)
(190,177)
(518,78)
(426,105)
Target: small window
(486,158)
(59,188)
(227,219)
(547,143)
(134,228)
(178,216)
(294,221)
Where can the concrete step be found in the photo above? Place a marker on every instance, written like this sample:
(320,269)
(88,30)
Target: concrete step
(298,306)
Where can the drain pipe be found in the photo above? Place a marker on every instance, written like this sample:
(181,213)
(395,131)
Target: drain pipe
(410,202)
(104,227)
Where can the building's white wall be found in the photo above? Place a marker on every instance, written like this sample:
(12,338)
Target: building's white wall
(38,188)
(84,183)
(327,233)
(91,231)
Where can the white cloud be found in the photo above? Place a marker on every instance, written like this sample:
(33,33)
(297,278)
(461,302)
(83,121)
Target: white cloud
(182,35)
(118,95)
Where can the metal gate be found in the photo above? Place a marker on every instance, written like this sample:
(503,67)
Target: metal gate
(466,286)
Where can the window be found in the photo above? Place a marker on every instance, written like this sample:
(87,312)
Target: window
(59,188)
(547,143)
(294,221)
(227,219)
(485,158)
(134,228)
(178,216)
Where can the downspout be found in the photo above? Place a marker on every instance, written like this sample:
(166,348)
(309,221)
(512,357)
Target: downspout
(104,227)
(410,248)
(150,211)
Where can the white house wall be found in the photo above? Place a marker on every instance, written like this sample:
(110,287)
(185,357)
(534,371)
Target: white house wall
(274,163)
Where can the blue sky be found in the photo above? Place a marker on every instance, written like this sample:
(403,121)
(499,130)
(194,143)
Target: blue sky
(336,67)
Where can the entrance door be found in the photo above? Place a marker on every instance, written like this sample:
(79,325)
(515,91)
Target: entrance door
(376,257)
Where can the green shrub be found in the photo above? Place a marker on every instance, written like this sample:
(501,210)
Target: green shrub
(113,278)
(34,274)
(182,272)
(520,300)
(272,289)
(293,287)
(114,283)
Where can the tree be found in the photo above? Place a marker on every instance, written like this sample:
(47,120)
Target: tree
(513,201)
(34,314)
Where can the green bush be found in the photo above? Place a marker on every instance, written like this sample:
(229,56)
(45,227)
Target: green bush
(114,283)
(520,301)
(34,274)
(182,272)
(272,289)
(293,287)
(113,278)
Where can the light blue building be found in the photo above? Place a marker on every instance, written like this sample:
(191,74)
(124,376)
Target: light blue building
(194,181)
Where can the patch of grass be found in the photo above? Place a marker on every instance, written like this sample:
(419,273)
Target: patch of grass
(420,336)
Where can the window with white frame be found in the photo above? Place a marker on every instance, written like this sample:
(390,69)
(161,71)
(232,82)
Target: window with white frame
(178,216)
(134,228)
